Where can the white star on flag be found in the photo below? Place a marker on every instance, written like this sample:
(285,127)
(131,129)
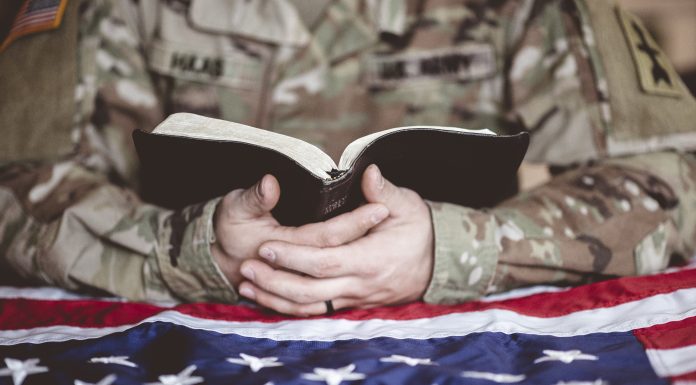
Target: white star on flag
(118,360)
(255,363)
(334,376)
(566,357)
(410,361)
(108,380)
(19,370)
(501,378)
(183,378)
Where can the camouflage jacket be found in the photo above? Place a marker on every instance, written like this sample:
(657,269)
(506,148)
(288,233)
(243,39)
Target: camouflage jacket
(328,72)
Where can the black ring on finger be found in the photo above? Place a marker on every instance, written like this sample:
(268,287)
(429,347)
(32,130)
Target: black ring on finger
(329,307)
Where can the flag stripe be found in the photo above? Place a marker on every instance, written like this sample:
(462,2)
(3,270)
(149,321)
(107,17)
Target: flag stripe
(545,305)
(670,335)
(35,17)
(31,21)
(47,292)
(663,308)
(673,362)
(571,340)
(549,304)
(686,379)
(29,16)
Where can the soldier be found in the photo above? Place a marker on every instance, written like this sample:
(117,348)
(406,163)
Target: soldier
(609,112)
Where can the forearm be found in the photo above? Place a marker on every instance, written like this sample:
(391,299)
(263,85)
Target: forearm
(84,233)
(620,217)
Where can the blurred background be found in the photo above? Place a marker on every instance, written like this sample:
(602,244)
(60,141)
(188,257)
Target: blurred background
(673,24)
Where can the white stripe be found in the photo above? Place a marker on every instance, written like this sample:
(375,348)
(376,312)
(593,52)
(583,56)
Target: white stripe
(24,25)
(522,292)
(56,334)
(35,14)
(54,293)
(673,362)
(40,293)
(643,313)
(33,19)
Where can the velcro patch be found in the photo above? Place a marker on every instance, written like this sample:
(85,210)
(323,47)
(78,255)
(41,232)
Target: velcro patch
(232,69)
(35,16)
(654,70)
(465,62)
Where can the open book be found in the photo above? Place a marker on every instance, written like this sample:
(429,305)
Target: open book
(190,158)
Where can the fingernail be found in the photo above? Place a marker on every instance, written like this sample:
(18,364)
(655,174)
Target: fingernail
(246,292)
(379,215)
(259,187)
(380,181)
(267,254)
(248,273)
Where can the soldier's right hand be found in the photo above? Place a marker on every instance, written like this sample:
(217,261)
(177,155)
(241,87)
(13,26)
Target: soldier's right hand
(243,221)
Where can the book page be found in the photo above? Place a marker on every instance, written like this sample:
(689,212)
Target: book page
(200,127)
(355,148)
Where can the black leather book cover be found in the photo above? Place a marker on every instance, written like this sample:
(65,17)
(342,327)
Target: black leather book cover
(467,169)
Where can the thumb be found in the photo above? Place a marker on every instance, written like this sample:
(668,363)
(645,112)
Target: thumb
(258,199)
(378,189)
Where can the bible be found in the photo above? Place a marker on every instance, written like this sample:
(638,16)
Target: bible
(190,158)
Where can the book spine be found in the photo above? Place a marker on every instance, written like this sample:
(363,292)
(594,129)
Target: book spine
(337,198)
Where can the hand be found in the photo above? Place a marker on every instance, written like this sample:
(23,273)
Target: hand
(391,264)
(243,222)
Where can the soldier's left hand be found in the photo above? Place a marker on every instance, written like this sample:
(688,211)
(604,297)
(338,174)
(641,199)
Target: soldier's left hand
(391,264)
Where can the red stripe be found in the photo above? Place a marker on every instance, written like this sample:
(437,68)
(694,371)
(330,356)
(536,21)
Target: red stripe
(597,295)
(26,313)
(685,377)
(41,13)
(44,11)
(29,26)
(24,26)
(668,336)
(32,20)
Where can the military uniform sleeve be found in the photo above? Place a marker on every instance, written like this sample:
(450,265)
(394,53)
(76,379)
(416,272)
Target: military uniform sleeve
(623,216)
(627,210)
(74,220)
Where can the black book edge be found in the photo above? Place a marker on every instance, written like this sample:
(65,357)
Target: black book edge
(334,196)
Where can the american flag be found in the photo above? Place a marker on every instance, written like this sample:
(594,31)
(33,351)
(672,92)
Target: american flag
(35,16)
(638,330)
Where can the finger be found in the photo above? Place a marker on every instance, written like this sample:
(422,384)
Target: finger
(342,229)
(257,200)
(282,305)
(378,189)
(294,287)
(328,262)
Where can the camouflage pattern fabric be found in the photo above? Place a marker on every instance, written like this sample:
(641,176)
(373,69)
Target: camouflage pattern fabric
(75,219)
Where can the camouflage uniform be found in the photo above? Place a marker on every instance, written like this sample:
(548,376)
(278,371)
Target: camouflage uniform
(328,72)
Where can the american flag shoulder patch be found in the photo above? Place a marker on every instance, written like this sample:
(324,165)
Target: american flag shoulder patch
(35,16)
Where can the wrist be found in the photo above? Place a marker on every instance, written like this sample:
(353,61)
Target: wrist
(185,257)
(228,266)
(465,253)
(424,274)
